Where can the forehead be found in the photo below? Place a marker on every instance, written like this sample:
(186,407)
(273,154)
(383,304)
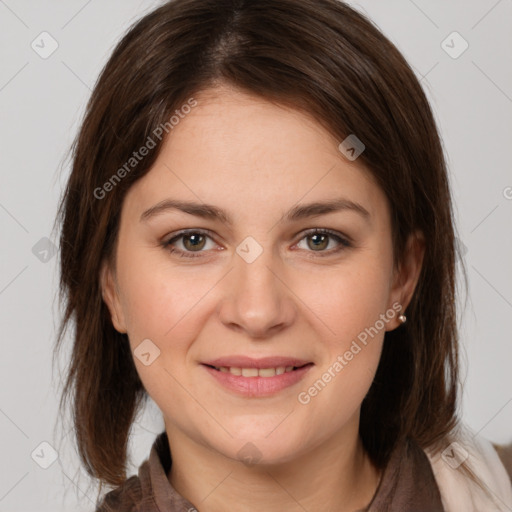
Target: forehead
(248,155)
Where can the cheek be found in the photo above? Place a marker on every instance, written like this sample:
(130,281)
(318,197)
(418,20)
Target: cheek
(347,299)
(352,306)
(343,379)
(158,300)
(162,308)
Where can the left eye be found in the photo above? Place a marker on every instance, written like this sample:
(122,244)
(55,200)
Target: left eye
(194,242)
(320,240)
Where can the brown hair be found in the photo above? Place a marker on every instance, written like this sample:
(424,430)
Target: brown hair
(320,57)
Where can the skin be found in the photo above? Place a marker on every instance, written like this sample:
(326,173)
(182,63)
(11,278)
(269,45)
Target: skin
(290,301)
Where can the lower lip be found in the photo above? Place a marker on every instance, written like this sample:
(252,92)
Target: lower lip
(258,386)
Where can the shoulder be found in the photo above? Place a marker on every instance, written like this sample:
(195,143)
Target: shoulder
(458,491)
(143,492)
(125,498)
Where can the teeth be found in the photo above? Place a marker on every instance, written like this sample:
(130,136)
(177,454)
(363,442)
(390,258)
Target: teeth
(256,372)
(264,372)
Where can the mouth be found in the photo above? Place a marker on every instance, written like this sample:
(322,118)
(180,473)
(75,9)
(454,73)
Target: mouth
(257,372)
(257,378)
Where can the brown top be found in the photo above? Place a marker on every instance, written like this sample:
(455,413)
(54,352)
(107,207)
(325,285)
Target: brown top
(505,454)
(407,485)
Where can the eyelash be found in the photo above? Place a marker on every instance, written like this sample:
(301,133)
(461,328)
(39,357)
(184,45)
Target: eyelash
(345,243)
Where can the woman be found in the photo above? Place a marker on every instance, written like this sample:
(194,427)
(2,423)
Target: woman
(257,233)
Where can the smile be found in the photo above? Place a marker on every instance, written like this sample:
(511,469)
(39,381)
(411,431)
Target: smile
(257,372)
(256,382)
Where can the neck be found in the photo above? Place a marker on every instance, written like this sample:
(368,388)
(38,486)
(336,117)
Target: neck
(338,474)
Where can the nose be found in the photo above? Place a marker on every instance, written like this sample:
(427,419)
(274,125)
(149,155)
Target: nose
(257,301)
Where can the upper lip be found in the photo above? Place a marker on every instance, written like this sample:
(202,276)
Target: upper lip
(249,362)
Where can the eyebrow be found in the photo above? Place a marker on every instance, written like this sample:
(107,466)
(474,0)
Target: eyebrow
(208,211)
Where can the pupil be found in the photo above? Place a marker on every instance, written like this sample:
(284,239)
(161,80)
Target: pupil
(316,237)
(194,237)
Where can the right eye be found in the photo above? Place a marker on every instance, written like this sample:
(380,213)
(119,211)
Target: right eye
(191,240)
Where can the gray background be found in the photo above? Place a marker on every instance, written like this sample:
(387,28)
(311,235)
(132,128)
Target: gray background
(42,101)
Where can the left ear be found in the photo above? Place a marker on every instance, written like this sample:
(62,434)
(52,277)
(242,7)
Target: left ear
(406,276)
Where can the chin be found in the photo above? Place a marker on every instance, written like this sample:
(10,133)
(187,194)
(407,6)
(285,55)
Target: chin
(258,450)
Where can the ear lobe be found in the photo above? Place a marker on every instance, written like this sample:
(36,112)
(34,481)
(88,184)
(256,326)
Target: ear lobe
(110,294)
(407,276)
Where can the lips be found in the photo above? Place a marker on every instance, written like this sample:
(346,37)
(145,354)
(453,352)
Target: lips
(259,378)
(248,362)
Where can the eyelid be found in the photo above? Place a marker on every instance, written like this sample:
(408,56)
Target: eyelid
(333,233)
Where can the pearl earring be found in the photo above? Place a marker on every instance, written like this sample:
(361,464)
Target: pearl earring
(402,318)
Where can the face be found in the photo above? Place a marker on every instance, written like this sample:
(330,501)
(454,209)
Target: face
(309,288)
